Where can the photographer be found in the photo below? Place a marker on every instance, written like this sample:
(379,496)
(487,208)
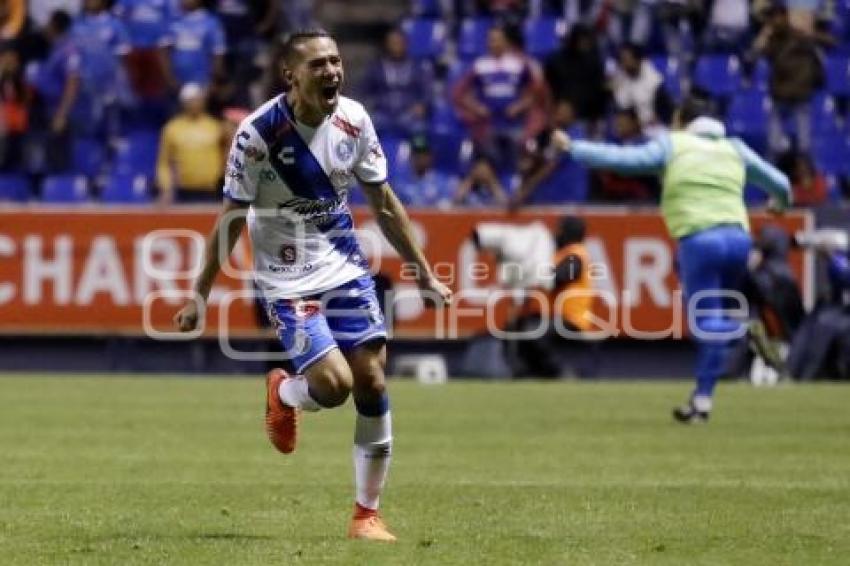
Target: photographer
(822,345)
(564,293)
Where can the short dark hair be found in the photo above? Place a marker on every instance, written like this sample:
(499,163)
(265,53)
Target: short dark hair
(634,49)
(60,21)
(695,106)
(629,112)
(296,38)
(571,229)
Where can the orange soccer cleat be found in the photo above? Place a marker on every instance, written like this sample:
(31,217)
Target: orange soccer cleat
(369,526)
(281,420)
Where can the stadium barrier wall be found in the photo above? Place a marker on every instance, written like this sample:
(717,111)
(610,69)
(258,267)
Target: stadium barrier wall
(108,271)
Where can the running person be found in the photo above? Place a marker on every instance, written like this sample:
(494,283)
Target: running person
(291,165)
(703,175)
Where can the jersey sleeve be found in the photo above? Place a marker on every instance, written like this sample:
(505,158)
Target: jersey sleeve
(243,165)
(371,164)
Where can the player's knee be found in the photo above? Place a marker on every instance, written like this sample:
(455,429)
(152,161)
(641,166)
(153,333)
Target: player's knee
(332,388)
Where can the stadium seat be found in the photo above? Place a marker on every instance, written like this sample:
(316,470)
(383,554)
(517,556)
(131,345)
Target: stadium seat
(671,71)
(761,75)
(15,188)
(397,152)
(66,189)
(754,196)
(568,183)
(472,40)
(719,75)
(426,39)
(831,154)
(137,153)
(123,188)
(825,119)
(838,75)
(89,157)
(543,35)
(452,152)
(747,117)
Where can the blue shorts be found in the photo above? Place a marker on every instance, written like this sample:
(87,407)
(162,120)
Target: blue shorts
(310,327)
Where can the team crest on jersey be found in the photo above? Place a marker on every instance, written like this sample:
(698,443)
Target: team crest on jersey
(340,178)
(345,150)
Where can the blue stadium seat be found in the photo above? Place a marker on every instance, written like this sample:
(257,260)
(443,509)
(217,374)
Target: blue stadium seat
(568,183)
(719,75)
(89,157)
(452,152)
(426,8)
(66,189)
(395,150)
(747,117)
(838,75)
(137,153)
(754,196)
(123,188)
(671,71)
(761,75)
(831,154)
(472,40)
(426,39)
(15,188)
(825,119)
(543,35)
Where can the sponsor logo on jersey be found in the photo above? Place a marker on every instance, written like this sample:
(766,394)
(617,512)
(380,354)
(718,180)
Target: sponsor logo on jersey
(312,210)
(346,126)
(375,153)
(340,178)
(288,254)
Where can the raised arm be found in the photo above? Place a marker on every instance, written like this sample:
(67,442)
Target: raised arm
(764,175)
(650,157)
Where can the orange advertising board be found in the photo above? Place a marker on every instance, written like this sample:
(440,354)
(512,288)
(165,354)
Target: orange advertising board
(118,271)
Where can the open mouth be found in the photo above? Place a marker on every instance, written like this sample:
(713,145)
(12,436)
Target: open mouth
(329,92)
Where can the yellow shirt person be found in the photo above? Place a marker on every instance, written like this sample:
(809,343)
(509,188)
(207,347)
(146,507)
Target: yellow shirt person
(191,152)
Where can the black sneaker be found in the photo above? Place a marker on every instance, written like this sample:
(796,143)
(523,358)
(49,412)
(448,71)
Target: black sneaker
(687,414)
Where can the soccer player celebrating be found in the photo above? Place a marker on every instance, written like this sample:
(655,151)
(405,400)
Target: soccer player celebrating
(703,174)
(291,165)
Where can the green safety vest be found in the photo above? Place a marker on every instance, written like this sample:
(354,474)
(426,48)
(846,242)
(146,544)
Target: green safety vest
(702,185)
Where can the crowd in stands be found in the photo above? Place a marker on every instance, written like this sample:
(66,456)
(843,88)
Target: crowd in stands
(134,100)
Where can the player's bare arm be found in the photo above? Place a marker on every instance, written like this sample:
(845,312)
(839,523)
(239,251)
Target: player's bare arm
(225,234)
(395,225)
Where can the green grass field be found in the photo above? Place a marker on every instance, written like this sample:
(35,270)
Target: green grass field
(129,470)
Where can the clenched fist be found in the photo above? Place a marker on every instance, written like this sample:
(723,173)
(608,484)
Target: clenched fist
(188,317)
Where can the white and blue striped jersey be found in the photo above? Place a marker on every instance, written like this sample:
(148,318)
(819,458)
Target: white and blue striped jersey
(296,179)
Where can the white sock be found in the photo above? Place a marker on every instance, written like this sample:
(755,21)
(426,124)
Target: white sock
(702,403)
(373,441)
(294,392)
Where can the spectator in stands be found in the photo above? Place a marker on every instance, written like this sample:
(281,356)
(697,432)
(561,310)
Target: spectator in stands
(637,84)
(15,100)
(545,172)
(147,23)
(196,46)
(12,19)
(191,152)
(514,10)
(397,89)
(796,73)
(57,83)
(494,99)
(420,184)
(577,73)
(104,43)
(728,24)
(809,186)
(481,187)
(624,188)
(246,24)
(42,11)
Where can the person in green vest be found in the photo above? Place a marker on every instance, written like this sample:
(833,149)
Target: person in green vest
(703,173)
